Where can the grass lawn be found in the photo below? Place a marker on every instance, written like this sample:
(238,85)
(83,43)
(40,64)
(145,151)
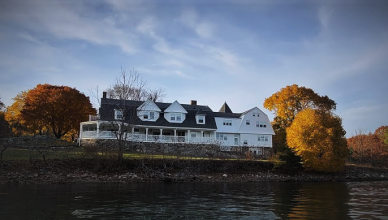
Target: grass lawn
(25,154)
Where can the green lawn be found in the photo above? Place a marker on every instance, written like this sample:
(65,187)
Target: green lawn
(25,154)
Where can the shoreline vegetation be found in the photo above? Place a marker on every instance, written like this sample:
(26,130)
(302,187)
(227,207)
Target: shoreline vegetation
(109,170)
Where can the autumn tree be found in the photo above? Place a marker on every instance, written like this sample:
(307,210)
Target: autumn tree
(4,126)
(13,116)
(59,108)
(286,104)
(382,133)
(369,148)
(318,138)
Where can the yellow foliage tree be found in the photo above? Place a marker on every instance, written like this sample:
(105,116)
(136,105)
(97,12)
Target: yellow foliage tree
(318,138)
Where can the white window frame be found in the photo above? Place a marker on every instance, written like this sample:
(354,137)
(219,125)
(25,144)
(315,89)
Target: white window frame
(152,115)
(178,117)
(119,114)
(201,119)
(172,117)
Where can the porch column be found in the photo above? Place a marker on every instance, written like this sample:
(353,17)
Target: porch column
(188,135)
(133,130)
(202,136)
(80,135)
(98,130)
(175,139)
(161,134)
(146,134)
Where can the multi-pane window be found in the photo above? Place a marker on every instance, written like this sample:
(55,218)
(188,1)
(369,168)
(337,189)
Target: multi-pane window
(193,135)
(178,117)
(172,117)
(145,115)
(257,124)
(263,138)
(201,119)
(228,122)
(152,115)
(119,114)
(222,137)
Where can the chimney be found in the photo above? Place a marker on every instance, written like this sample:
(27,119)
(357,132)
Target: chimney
(193,102)
(104,95)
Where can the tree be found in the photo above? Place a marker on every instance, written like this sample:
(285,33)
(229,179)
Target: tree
(13,116)
(59,108)
(382,133)
(286,104)
(368,148)
(318,138)
(289,101)
(129,86)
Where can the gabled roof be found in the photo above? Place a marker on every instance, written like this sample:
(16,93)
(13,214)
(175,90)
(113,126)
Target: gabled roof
(175,107)
(225,108)
(107,106)
(149,105)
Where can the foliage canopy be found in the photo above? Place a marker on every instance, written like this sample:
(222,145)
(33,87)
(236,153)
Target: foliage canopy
(59,108)
(318,138)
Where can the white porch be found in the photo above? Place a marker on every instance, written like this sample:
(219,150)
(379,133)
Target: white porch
(109,130)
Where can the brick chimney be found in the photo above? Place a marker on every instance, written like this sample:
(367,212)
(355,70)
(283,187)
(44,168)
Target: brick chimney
(193,102)
(104,95)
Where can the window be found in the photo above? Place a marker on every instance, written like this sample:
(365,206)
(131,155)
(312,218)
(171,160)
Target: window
(222,137)
(245,142)
(172,117)
(152,115)
(228,122)
(119,114)
(263,124)
(178,117)
(193,135)
(257,124)
(201,119)
(248,122)
(145,115)
(263,138)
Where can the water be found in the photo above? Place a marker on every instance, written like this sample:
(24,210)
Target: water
(364,200)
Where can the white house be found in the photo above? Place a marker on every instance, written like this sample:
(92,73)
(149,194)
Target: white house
(179,123)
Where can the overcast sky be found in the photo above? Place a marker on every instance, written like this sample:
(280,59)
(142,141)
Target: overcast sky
(238,51)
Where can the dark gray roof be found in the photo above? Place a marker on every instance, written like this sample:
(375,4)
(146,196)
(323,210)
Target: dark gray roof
(225,108)
(108,106)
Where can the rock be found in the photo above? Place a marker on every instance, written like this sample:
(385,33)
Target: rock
(225,175)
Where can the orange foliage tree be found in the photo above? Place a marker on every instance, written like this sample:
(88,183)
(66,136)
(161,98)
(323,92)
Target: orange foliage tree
(286,104)
(318,138)
(59,108)
(13,116)
(369,148)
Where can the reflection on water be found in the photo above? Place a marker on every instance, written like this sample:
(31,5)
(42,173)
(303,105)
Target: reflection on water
(367,200)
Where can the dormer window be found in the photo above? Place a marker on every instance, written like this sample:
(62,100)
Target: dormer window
(152,115)
(178,117)
(200,119)
(119,114)
(145,116)
(172,117)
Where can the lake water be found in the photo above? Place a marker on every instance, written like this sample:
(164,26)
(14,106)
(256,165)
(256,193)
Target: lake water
(358,200)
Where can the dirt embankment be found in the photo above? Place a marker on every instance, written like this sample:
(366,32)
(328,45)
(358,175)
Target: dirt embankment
(90,171)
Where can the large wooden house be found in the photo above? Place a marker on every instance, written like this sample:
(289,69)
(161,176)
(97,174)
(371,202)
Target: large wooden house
(150,121)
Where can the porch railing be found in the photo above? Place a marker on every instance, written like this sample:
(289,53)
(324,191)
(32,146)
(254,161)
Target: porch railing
(146,138)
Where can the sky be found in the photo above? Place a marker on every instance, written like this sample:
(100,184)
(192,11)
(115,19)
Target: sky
(238,51)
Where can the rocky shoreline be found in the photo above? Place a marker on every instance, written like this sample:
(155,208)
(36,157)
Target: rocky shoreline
(58,175)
